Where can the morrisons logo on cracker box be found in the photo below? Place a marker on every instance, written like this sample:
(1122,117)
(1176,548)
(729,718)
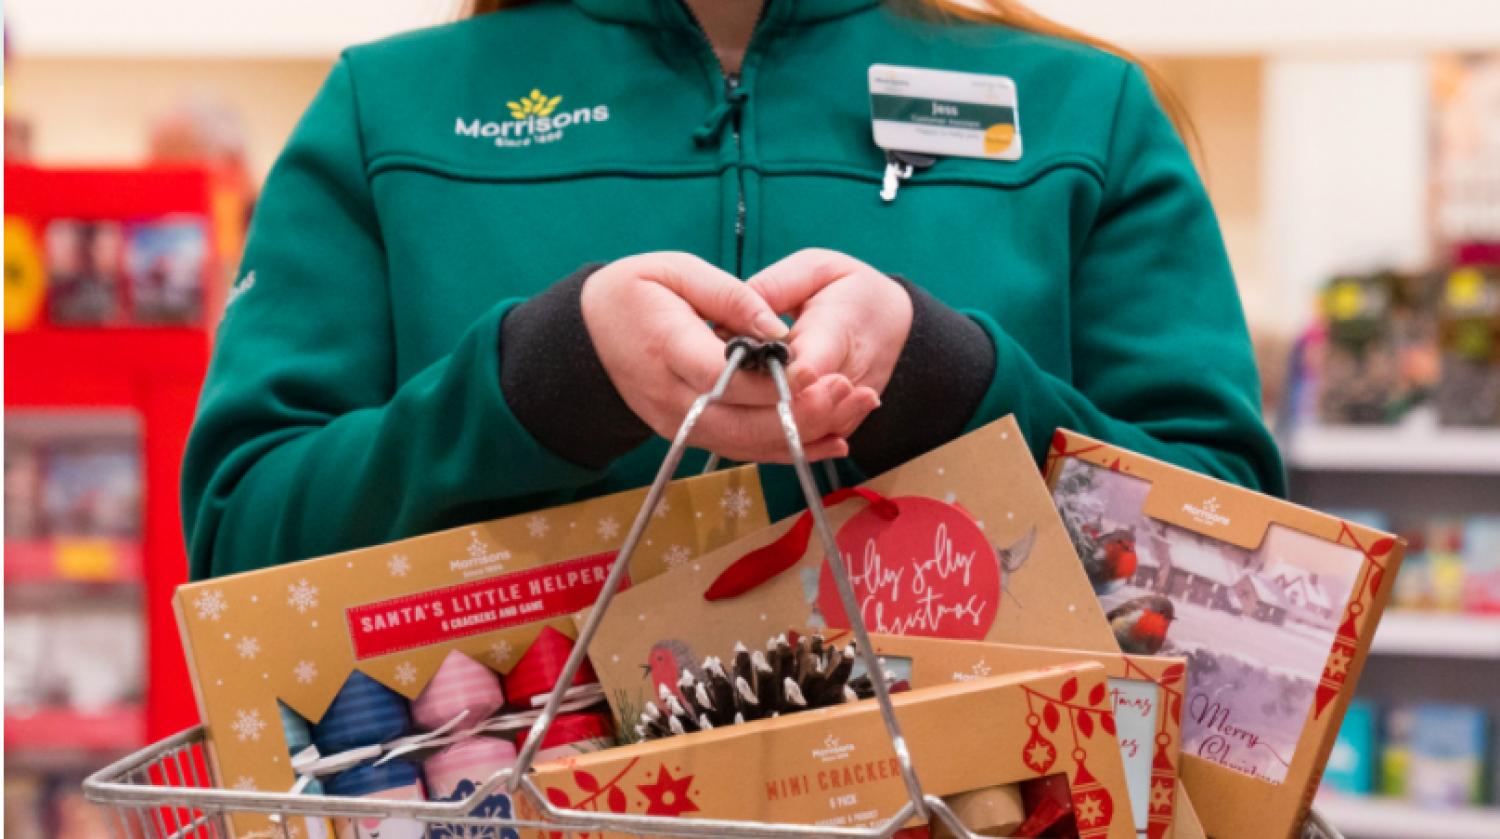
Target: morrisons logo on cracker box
(535,119)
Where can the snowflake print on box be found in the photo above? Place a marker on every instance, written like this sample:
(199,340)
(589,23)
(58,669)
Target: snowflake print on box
(247,647)
(500,653)
(210,605)
(244,783)
(302,596)
(736,502)
(399,565)
(305,672)
(537,526)
(608,528)
(406,673)
(676,556)
(248,724)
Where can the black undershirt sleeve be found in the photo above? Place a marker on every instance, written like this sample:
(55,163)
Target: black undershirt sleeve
(555,384)
(939,380)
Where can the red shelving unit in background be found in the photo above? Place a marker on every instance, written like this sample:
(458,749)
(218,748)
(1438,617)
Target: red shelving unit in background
(153,372)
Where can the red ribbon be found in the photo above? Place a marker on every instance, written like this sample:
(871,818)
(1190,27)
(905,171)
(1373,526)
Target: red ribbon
(763,563)
(541,666)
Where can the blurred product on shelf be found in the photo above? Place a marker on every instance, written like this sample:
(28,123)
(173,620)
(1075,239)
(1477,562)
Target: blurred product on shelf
(1431,754)
(165,261)
(1388,343)
(1469,391)
(85,282)
(1354,762)
(1466,148)
(1448,746)
(1379,358)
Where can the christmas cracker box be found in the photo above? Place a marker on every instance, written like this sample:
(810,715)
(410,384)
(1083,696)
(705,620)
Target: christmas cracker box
(834,766)
(1273,606)
(1145,693)
(962,542)
(370,627)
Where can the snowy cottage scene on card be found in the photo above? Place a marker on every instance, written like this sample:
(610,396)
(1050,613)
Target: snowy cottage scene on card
(1256,626)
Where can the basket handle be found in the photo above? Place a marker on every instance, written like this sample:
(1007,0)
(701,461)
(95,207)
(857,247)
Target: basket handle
(742,354)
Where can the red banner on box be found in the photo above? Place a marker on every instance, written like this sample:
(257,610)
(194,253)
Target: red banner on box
(501,602)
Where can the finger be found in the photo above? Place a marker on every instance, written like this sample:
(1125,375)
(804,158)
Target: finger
(788,283)
(820,346)
(718,296)
(696,358)
(849,413)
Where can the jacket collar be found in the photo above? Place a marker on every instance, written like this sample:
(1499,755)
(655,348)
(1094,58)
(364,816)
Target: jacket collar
(669,12)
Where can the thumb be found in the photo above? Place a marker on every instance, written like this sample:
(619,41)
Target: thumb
(719,297)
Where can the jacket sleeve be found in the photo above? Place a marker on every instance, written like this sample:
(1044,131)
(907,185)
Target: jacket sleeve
(1162,361)
(304,444)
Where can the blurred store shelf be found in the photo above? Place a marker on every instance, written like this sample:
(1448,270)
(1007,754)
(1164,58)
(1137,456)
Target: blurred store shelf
(1181,27)
(1373,818)
(72,561)
(1438,634)
(114,729)
(1408,448)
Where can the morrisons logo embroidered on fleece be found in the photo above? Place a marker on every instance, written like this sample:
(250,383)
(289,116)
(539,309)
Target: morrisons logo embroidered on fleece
(534,119)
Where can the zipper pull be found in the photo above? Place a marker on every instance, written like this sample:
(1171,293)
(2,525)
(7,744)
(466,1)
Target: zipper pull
(900,166)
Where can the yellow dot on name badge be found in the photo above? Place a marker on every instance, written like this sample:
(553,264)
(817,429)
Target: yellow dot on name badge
(997,138)
(25,278)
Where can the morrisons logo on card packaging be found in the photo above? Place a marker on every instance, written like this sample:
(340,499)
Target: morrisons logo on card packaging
(535,119)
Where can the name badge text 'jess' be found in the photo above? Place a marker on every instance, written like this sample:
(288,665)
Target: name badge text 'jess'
(944,113)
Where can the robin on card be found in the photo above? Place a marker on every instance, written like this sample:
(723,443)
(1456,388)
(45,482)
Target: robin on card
(1141,624)
(1113,561)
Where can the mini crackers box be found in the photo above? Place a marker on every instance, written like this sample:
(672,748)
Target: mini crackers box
(835,767)
(1145,691)
(294,633)
(1273,606)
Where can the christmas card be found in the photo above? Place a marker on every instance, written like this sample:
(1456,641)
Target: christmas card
(1272,605)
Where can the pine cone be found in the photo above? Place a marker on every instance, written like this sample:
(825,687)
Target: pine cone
(784,679)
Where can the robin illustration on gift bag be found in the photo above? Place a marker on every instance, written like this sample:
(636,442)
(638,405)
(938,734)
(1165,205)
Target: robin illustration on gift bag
(494,284)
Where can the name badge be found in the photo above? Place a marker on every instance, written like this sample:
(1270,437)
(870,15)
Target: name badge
(944,113)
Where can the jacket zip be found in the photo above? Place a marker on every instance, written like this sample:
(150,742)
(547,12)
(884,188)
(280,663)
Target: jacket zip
(731,88)
(901,166)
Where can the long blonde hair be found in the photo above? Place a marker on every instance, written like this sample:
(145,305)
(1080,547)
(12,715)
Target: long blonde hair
(1010,13)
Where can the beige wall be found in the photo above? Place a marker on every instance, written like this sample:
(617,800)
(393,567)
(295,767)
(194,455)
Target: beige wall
(99,110)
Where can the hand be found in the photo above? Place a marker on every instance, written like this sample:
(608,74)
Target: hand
(646,316)
(849,318)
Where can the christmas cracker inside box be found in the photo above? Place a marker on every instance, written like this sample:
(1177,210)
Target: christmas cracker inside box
(295,634)
(834,766)
(1272,605)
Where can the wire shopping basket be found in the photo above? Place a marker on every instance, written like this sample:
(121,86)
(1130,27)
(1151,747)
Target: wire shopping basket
(167,790)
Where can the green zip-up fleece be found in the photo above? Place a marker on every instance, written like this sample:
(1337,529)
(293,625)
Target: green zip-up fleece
(403,351)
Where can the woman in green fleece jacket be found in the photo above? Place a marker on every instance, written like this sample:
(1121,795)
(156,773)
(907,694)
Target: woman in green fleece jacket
(479,277)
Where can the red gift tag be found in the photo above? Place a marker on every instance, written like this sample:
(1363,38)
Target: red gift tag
(928,571)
